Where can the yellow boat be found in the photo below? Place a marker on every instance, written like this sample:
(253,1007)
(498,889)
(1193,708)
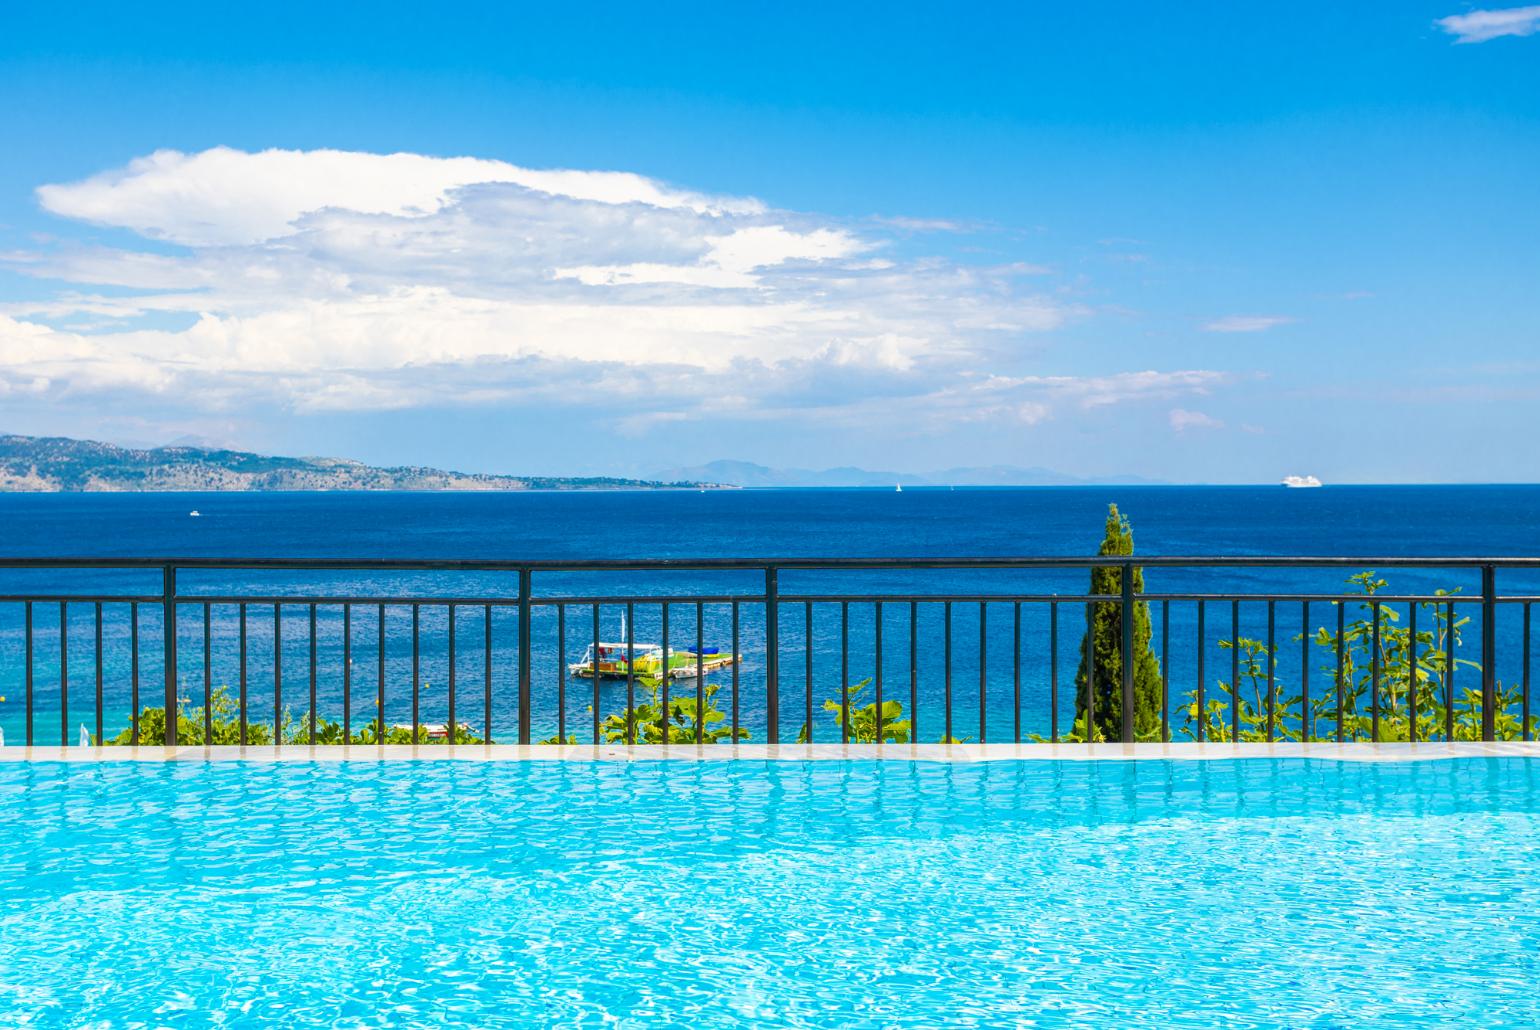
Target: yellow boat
(611,661)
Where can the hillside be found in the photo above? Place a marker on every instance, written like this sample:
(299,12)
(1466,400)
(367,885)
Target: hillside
(54,464)
(748,474)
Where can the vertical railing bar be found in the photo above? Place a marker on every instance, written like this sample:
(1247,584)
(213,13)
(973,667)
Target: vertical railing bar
(807,634)
(1053,671)
(208,676)
(630,673)
(525,667)
(598,617)
(1524,711)
(1374,677)
(700,674)
(133,649)
(1306,713)
(736,663)
(1342,670)
(99,739)
(877,673)
(561,670)
(168,649)
(416,668)
(486,674)
(454,671)
(242,683)
(1235,672)
(1202,655)
(1088,647)
(844,672)
(914,672)
(1488,652)
(311,719)
(1411,665)
(772,655)
(1165,672)
(277,675)
(1272,668)
(347,674)
(1016,670)
(64,674)
(379,699)
(665,720)
(1449,667)
(947,609)
(1126,651)
(983,672)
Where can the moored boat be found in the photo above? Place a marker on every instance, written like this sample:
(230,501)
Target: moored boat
(620,660)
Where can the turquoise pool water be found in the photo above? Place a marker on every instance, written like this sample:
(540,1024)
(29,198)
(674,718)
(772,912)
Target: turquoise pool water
(726,894)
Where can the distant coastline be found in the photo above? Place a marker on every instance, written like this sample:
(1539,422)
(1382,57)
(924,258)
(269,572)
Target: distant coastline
(30,464)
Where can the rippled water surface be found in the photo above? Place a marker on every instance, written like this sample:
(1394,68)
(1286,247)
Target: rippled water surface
(1248,893)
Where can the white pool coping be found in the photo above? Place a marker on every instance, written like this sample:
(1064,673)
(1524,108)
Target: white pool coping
(1346,752)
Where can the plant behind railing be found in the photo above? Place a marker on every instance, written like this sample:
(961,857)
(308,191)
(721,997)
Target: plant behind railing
(1412,672)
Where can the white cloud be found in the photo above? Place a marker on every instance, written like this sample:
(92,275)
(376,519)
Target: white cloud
(326,280)
(1481,26)
(1182,420)
(226,196)
(1246,323)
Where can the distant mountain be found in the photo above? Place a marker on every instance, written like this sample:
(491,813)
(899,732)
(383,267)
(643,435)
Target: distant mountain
(748,474)
(50,464)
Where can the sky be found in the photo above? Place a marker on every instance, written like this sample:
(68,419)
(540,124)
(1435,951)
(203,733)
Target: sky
(1197,243)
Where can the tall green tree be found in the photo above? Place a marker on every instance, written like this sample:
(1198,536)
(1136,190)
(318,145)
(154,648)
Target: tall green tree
(1104,639)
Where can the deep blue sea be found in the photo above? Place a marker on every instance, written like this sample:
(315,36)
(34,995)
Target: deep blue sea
(1384,521)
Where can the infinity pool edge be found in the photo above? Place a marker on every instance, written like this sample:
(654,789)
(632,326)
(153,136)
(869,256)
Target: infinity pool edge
(1346,752)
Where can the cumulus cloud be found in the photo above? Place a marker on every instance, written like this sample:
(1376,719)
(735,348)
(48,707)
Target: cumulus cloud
(226,196)
(1183,420)
(1481,26)
(1246,323)
(335,281)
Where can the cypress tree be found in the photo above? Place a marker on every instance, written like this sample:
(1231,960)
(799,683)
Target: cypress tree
(1104,634)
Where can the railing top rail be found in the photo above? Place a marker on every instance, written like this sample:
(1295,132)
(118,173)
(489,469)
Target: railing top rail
(760,564)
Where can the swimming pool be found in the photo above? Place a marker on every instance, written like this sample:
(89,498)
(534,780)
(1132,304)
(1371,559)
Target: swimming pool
(1258,892)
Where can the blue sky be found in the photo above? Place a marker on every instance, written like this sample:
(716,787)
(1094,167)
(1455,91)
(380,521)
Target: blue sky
(1202,243)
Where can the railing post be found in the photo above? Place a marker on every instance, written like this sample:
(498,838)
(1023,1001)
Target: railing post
(524,656)
(168,622)
(772,656)
(1488,652)
(1128,652)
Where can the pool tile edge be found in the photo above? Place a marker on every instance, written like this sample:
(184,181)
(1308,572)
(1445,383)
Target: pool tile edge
(1348,752)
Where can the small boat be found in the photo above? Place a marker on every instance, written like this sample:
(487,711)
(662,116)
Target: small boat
(611,661)
(195,513)
(1301,481)
(429,730)
(898,488)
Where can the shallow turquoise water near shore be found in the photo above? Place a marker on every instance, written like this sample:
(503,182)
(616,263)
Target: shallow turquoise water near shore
(1249,893)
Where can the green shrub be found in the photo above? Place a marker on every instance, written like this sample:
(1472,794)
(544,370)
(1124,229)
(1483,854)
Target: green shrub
(648,725)
(863,719)
(294,728)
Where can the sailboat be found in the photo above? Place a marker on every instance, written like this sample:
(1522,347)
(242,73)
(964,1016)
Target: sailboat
(898,488)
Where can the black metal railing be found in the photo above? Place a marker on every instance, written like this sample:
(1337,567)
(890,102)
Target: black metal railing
(210,613)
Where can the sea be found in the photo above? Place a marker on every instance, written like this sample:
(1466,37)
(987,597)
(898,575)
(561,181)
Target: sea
(974,653)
